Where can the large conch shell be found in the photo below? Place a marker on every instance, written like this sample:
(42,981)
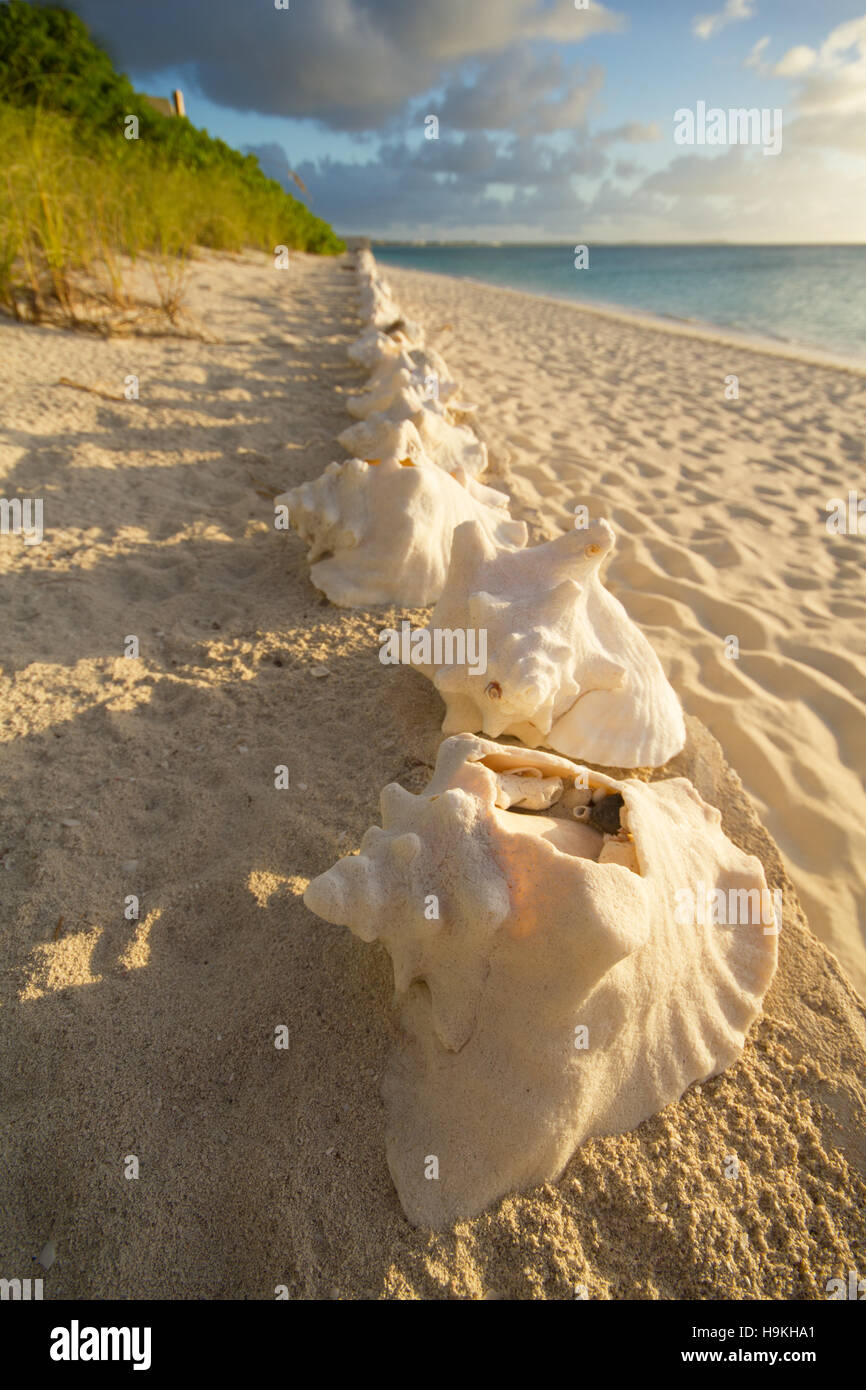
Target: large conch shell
(426,431)
(380,532)
(377,303)
(512,930)
(567,667)
(401,396)
(373,348)
(416,376)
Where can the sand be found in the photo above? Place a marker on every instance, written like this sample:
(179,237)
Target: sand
(261,1167)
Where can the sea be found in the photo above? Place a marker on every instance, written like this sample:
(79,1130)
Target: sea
(802,296)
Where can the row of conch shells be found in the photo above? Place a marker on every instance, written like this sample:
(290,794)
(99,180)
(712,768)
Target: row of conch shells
(375,299)
(409,386)
(379,526)
(561,963)
(567,667)
(566,962)
(387,333)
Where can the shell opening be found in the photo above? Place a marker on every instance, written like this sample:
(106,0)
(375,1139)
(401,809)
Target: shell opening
(597,829)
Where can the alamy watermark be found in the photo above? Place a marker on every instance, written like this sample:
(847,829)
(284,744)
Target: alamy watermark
(739,125)
(703,905)
(846,519)
(22,517)
(854,1288)
(438,646)
(20,1290)
(77,1343)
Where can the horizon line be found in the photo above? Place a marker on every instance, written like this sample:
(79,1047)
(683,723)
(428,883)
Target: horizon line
(475,241)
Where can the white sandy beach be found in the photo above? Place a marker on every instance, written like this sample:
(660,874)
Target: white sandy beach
(155,776)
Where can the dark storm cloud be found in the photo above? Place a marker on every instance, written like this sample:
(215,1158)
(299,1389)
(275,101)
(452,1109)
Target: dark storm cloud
(389,194)
(520,91)
(352,64)
(450,184)
(526,161)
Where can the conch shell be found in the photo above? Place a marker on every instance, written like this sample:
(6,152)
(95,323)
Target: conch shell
(425,431)
(399,394)
(379,307)
(373,348)
(567,667)
(409,376)
(377,303)
(554,982)
(380,532)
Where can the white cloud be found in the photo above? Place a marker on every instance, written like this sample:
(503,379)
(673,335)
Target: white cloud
(796,61)
(707,25)
(754,199)
(837,81)
(827,105)
(852,34)
(756,54)
(633,133)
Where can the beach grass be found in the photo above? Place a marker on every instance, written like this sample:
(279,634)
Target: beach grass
(93,177)
(71,210)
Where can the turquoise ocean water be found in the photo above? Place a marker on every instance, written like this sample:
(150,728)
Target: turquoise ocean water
(805,296)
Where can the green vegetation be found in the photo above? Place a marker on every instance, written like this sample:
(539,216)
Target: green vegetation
(77,195)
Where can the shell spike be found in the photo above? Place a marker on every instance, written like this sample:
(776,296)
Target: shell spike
(395,802)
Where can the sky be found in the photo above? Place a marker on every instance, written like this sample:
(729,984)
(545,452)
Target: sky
(555,123)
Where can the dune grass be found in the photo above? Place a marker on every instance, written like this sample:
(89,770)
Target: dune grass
(70,210)
(78,196)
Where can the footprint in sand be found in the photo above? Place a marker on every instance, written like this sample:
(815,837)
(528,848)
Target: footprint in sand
(627,521)
(720,551)
(801,581)
(847,550)
(651,611)
(841,608)
(847,673)
(676,561)
(747,514)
